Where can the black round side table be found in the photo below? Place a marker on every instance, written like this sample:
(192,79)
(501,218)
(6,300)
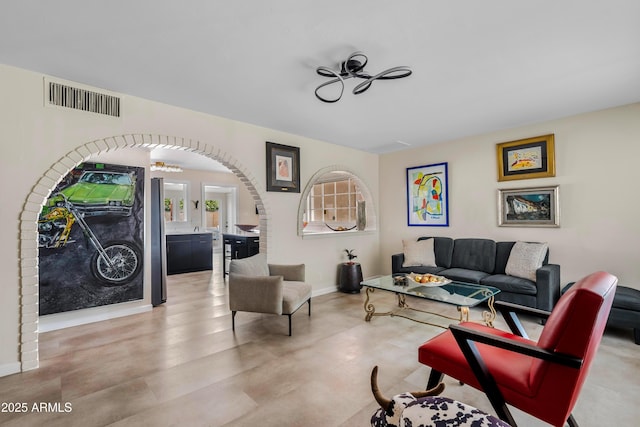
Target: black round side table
(350,277)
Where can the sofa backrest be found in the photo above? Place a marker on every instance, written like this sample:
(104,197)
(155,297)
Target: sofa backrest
(443,250)
(474,254)
(503,250)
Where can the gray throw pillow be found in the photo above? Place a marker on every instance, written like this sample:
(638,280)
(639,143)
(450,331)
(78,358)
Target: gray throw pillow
(525,258)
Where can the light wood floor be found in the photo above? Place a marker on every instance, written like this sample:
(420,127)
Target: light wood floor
(182,365)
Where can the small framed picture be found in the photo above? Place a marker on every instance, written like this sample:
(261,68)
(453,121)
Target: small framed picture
(529,207)
(283,168)
(526,158)
(427,197)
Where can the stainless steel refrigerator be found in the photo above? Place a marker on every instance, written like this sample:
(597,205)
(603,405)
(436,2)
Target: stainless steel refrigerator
(158,244)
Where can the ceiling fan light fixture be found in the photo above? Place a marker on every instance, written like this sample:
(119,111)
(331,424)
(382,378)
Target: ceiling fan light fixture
(353,67)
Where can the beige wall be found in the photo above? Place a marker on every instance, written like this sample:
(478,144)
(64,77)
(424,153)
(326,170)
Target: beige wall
(597,158)
(33,137)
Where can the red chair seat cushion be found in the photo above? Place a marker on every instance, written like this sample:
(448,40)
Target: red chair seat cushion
(443,354)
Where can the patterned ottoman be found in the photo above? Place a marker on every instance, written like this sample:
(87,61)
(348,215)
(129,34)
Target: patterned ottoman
(432,411)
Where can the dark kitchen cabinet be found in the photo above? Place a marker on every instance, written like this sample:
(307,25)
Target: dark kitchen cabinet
(238,246)
(189,252)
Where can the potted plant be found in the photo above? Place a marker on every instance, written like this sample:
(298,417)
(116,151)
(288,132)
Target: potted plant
(351,255)
(350,274)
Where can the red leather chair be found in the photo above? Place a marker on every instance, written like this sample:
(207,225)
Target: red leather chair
(542,378)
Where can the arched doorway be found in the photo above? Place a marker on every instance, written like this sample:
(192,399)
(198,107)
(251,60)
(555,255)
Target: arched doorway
(28,255)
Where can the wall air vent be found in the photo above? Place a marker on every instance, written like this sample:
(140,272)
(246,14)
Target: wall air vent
(85,100)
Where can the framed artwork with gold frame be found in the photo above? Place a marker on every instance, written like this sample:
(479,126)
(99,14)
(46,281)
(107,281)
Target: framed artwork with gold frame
(527,158)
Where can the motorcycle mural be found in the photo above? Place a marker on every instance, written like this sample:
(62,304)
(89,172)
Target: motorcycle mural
(90,235)
(113,263)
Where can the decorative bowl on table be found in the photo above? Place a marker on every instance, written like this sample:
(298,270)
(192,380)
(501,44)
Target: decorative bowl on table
(246,227)
(428,279)
(340,227)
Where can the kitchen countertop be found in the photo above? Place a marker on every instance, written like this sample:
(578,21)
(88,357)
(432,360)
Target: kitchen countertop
(176,233)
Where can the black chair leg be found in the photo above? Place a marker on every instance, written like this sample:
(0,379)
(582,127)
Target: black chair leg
(289,324)
(233,320)
(309,302)
(572,421)
(435,378)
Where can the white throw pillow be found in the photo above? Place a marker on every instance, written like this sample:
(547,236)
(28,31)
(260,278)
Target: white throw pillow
(525,258)
(418,253)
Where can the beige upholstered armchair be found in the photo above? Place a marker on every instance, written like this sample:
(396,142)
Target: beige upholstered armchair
(258,287)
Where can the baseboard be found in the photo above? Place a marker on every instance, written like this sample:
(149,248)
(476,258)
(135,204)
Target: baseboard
(324,291)
(54,322)
(9,369)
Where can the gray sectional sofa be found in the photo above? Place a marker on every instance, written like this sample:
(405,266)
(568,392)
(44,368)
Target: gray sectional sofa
(483,261)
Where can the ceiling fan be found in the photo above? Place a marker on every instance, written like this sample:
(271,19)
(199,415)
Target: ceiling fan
(353,67)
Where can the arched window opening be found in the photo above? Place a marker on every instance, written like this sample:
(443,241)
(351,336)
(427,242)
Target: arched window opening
(335,201)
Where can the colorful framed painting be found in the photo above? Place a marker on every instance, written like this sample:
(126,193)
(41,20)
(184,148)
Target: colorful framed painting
(529,207)
(526,158)
(427,196)
(283,168)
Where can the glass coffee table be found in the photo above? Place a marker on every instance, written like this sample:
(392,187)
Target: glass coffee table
(462,295)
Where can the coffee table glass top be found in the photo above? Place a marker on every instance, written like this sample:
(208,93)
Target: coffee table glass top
(456,293)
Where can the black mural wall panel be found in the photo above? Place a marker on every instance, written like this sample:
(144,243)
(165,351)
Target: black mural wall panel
(73,273)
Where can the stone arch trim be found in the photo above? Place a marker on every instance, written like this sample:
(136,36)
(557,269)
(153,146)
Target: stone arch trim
(28,223)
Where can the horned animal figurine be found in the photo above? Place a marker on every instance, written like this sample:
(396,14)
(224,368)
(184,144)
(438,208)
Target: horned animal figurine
(426,409)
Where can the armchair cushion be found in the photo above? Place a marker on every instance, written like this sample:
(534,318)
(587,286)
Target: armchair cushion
(294,294)
(442,354)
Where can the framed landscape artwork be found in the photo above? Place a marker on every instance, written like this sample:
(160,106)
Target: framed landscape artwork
(529,207)
(427,196)
(283,168)
(526,158)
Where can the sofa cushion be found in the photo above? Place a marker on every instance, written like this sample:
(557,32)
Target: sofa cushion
(510,284)
(418,253)
(443,248)
(474,254)
(463,275)
(252,266)
(525,259)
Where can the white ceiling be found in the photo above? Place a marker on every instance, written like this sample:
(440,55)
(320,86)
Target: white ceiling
(478,66)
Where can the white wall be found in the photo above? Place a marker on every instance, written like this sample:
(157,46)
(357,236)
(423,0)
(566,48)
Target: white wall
(196,178)
(33,137)
(597,157)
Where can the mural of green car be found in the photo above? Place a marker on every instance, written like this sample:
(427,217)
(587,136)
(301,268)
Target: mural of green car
(102,193)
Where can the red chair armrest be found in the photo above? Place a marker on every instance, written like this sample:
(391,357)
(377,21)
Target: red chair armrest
(510,311)
(504,306)
(466,335)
